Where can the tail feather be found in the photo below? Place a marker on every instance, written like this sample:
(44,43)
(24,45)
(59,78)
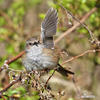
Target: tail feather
(63,71)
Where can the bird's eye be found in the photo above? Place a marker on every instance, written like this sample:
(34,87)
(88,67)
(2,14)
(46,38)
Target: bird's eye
(30,44)
(35,43)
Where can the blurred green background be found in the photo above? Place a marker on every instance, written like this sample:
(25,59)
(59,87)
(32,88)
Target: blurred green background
(21,19)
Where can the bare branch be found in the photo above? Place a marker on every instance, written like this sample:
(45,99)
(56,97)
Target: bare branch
(80,55)
(11,84)
(11,25)
(84,25)
(17,57)
(12,60)
(7,18)
(85,17)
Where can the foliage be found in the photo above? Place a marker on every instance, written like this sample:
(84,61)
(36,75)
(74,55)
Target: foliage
(13,37)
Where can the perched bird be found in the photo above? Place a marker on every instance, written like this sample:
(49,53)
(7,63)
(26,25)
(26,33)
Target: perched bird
(44,55)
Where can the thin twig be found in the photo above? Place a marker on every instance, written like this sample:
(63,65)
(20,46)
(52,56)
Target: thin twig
(84,25)
(7,18)
(9,21)
(76,86)
(12,60)
(85,17)
(49,78)
(11,84)
(80,55)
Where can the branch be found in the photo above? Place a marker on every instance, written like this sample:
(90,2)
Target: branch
(11,84)
(82,54)
(11,60)
(7,18)
(10,23)
(85,17)
(15,58)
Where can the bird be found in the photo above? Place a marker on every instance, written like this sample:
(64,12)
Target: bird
(44,55)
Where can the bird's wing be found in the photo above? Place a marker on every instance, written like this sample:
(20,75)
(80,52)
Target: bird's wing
(48,28)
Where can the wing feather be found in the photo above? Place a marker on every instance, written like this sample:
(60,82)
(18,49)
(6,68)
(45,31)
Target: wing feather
(48,28)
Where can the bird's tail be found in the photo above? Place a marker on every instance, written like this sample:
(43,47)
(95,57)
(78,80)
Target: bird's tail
(64,71)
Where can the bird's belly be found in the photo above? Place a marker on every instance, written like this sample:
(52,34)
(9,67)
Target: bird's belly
(40,62)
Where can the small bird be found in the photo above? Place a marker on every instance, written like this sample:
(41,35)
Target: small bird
(42,55)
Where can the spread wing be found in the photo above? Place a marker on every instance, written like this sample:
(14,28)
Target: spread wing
(48,28)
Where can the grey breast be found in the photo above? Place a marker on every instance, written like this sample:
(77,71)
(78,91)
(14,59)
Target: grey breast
(37,60)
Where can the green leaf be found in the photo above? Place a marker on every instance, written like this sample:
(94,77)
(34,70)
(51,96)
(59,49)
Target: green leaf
(42,16)
(3,31)
(20,11)
(2,21)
